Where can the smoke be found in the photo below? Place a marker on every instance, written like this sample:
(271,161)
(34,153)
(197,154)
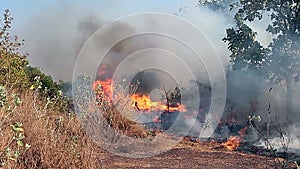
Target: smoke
(86,27)
(55,39)
(49,42)
(290,140)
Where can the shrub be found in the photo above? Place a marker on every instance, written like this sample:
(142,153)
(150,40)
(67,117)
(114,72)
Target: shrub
(12,63)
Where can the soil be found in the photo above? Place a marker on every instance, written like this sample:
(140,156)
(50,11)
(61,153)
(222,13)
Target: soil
(192,155)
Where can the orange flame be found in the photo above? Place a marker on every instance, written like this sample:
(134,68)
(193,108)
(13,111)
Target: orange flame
(106,87)
(141,102)
(234,141)
(144,103)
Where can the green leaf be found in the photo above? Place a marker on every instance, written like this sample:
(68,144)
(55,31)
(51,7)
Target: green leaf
(17,129)
(20,143)
(17,101)
(19,137)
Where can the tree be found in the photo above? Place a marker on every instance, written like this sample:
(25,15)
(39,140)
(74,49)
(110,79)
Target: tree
(280,60)
(12,63)
(173,98)
(217,5)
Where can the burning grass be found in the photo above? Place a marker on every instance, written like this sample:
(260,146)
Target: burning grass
(120,106)
(233,142)
(117,112)
(142,102)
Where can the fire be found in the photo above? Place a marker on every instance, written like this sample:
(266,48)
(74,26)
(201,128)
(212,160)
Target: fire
(106,87)
(144,103)
(140,102)
(234,141)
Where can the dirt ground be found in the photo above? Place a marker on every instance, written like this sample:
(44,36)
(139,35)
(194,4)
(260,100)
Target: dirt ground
(191,155)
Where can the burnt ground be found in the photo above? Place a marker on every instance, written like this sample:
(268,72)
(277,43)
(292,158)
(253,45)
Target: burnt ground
(192,155)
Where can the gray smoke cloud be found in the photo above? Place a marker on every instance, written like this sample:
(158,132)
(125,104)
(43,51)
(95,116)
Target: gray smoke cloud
(54,40)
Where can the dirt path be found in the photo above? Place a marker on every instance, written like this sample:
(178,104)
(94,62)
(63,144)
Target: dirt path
(190,156)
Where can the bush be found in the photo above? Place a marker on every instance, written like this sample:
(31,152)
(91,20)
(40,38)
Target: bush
(12,63)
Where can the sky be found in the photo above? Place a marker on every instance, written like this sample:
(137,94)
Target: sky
(24,10)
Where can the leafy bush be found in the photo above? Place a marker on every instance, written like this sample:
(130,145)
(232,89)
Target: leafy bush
(12,63)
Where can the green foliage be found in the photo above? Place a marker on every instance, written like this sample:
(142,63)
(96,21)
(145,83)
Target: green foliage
(217,5)
(12,63)
(281,58)
(15,74)
(43,83)
(47,88)
(17,127)
(16,146)
(246,52)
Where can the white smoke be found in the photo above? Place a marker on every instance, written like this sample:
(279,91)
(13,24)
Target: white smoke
(53,39)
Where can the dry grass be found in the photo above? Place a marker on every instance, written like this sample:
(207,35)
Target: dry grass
(119,113)
(125,125)
(57,140)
